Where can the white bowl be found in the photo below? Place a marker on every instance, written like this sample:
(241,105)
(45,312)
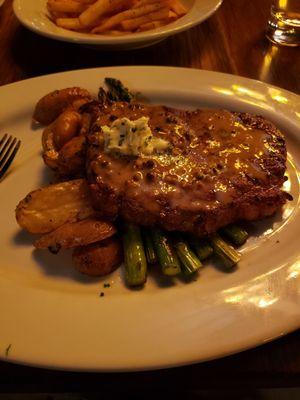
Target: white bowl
(33,15)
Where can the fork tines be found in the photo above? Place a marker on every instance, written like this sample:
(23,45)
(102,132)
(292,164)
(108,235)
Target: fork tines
(9,147)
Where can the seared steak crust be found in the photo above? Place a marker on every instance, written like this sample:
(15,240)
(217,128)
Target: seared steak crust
(222,167)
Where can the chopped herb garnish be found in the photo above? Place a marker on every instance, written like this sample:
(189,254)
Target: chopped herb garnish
(7,350)
(106,285)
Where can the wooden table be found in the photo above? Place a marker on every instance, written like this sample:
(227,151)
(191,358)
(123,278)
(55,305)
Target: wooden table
(231,41)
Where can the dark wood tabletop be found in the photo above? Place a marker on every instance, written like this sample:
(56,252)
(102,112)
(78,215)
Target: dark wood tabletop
(231,41)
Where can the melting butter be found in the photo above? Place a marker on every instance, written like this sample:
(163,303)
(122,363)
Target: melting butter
(132,138)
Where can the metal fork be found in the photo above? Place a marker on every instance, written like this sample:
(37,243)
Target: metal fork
(9,147)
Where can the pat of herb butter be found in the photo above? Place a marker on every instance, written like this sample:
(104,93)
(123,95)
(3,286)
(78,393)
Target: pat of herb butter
(132,138)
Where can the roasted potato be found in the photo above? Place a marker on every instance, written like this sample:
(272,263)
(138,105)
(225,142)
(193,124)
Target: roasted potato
(99,259)
(62,149)
(86,120)
(50,106)
(74,234)
(46,209)
(65,127)
(50,152)
(71,158)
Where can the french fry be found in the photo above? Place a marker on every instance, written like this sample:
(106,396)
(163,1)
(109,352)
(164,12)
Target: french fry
(114,17)
(116,20)
(66,6)
(69,23)
(153,25)
(117,33)
(178,8)
(101,7)
(134,23)
(54,15)
(88,2)
(141,3)
(172,15)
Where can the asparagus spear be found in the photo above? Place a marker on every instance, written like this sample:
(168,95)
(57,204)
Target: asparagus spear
(117,91)
(165,253)
(235,234)
(226,253)
(149,247)
(190,262)
(135,259)
(202,247)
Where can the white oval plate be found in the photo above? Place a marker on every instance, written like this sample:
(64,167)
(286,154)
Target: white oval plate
(54,317)
(33,15)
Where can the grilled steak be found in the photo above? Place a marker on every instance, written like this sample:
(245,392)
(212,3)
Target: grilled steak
(221,167)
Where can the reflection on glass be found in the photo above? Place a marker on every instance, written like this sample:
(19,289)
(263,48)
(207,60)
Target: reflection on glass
(267,62)
(284,22)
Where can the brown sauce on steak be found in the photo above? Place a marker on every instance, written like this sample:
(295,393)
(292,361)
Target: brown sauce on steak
(217,159)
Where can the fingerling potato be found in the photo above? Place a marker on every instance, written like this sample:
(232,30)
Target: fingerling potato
(50,152)
(45,209)
(50,106)
(57,152)
(71,158)
(74,234)
(98,259)
(65,127)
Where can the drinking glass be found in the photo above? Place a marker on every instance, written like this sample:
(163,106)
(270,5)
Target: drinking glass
(284,22)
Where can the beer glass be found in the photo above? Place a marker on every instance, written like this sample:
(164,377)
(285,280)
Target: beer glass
(284,22)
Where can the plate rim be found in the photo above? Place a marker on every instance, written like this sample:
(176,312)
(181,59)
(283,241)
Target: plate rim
(156,67)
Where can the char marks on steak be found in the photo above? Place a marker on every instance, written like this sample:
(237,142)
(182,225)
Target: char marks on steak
(222,167)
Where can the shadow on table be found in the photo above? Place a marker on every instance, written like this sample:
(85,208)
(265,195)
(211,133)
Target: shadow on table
(37,55)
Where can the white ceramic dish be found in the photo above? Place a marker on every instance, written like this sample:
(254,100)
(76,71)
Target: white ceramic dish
(53,317)
(33,15)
